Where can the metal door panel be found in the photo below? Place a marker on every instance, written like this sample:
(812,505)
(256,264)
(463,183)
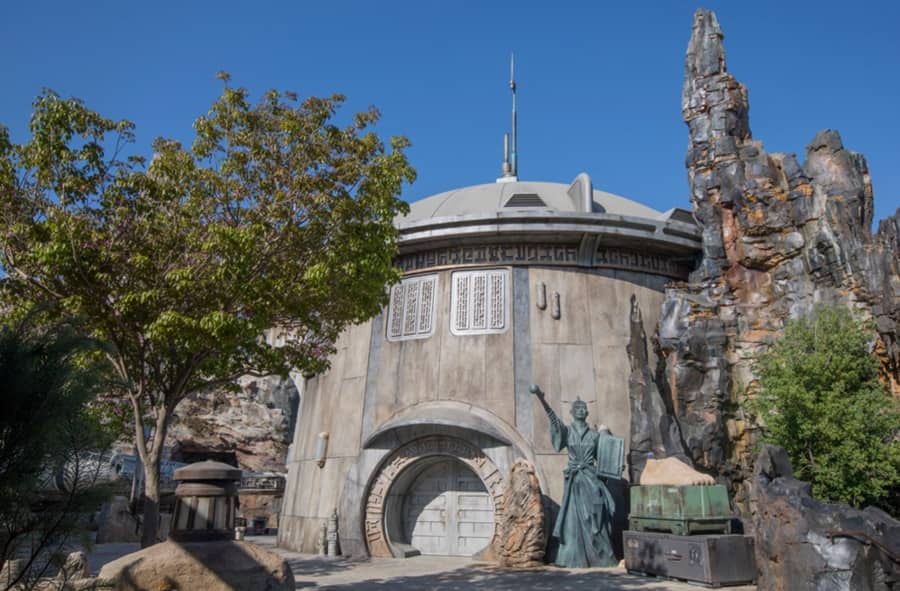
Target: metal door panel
(448,511)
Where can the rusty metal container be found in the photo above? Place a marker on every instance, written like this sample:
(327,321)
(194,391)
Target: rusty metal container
(714,560)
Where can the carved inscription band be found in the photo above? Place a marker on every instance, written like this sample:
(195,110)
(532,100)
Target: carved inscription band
(544,254)
(410,453)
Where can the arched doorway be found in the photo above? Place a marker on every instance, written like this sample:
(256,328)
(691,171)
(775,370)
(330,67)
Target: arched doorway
(434,495)
(447,510)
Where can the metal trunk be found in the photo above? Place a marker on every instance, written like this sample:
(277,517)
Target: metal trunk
(682,510)
(714,560)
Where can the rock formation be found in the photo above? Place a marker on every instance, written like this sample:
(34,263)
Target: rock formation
(521,538)
(654,430)
(75,568)
(778,237)
(802,544)
(253,423)
(210,566)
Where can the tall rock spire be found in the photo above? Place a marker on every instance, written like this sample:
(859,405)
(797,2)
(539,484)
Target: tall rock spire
(705,53)
(715,107)
(778,238)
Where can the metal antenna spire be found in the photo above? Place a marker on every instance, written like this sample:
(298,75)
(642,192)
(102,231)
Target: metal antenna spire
(510,166)
(512,86)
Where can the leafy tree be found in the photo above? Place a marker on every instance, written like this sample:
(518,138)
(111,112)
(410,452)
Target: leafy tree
(276,225)
(50,441)
(821,399)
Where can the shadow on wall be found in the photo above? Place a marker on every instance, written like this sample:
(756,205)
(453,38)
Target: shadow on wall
(618,488)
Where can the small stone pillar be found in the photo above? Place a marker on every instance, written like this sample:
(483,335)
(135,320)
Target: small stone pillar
(332,534)
(205,502)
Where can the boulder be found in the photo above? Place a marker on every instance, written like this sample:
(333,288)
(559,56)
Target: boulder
(520,541)
(75,568)
(11,571)
(206,566)
(803,544)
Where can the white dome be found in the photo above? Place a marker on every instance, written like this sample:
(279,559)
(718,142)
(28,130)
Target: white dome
(510,196)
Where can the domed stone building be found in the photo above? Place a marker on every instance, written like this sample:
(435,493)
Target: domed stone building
(412,432)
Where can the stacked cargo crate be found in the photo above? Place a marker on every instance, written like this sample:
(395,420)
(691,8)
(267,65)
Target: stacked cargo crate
(684,532)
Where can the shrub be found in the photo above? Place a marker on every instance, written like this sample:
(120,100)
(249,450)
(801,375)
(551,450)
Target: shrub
(820,397)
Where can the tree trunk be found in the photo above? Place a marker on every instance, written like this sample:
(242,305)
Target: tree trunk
(150,497)
(151,454)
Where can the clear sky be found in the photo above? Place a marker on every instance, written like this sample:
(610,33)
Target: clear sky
(599,82)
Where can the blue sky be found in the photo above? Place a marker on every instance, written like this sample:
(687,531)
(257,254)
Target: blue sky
(599,82)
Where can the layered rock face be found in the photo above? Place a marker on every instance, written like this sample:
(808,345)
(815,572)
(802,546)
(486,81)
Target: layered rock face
(803,544)
(254,424)
(521,539)
(654,431)
(778,237)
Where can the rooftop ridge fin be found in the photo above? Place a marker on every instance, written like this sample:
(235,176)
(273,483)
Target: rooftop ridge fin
(581,192)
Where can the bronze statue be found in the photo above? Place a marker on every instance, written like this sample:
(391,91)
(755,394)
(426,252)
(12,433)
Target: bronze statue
(584,523)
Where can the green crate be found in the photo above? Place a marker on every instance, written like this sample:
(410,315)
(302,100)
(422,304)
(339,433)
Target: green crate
(681,510)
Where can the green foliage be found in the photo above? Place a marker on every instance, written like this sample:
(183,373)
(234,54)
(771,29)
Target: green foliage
(275,223)
(821,399)
(274,216)
(49,434)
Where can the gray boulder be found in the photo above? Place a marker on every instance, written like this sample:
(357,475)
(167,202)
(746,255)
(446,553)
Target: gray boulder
(803,544)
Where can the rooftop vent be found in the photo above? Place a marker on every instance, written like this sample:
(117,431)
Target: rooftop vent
(525,200)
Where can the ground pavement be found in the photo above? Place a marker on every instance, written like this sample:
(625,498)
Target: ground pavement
(423,573)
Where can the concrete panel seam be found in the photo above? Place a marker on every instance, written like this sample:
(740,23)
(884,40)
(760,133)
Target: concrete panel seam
(371,388)
(522,363)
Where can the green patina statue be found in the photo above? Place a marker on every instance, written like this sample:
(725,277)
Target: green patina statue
(584,524)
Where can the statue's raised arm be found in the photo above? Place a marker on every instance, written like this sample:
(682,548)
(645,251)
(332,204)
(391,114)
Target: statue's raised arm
(558,430)
(539,394)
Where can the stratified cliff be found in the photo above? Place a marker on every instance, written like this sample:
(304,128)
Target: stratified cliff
(779,236)
(251,427)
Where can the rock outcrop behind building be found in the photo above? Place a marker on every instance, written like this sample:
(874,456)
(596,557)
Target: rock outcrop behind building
(251,427)
(779,236)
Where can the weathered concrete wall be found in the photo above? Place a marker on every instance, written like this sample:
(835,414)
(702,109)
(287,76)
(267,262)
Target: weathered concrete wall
(332,403)
(583,353)
(373,380)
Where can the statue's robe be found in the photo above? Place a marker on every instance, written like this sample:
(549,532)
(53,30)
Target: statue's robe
(584,523)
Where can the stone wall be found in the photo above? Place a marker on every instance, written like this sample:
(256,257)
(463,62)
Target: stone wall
(779,236)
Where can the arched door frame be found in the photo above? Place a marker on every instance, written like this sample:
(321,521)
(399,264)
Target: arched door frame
(384,495)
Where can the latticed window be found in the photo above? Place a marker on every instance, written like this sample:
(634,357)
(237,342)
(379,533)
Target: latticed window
(479,302)
(411,309)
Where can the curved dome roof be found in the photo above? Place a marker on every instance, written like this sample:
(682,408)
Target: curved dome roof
(506,196)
